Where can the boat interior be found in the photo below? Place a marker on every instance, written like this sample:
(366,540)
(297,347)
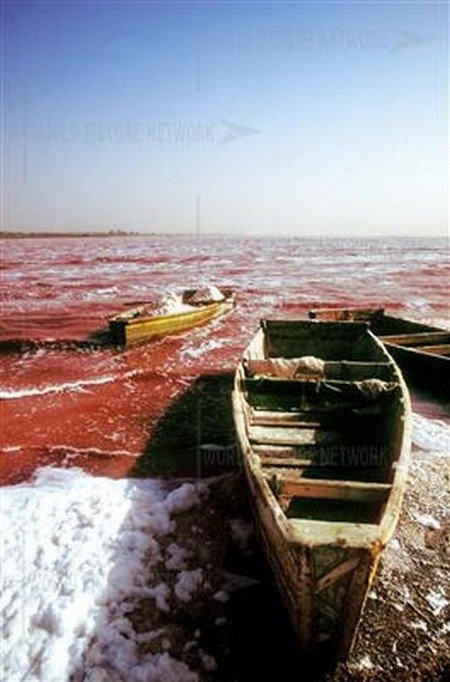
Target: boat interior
(326,427)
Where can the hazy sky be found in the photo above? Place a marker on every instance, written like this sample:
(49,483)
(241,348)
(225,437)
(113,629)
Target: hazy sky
(299,118)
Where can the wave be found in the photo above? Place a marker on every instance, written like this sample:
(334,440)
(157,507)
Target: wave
(205,347)
(14,394)
(7,394)
(71,451)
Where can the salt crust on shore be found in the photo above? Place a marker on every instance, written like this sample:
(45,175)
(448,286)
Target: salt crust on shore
(76,551)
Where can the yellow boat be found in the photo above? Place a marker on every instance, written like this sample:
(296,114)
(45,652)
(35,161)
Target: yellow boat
(141,324)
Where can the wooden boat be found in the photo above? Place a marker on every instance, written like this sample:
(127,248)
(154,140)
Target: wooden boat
(322,417)
(140,324)
(422,351)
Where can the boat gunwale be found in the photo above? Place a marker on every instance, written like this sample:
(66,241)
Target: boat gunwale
(416,350)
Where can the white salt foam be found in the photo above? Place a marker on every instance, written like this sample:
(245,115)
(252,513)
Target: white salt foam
(77,552)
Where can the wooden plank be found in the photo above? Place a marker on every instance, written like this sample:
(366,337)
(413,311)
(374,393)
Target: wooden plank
(263,417)
(347,369)
(279,385)
(337,573)
(274,421)
(342,314)
(316,533)
(283,368)
(335,469)
(443,349)
(313,420)
(305,590)
(293,436)
(292,415)
(287,462)
(296,387)
(274,394)
(333,369)
(336,490)
(303,453)
(417,339)
(315,412)
(355,597)
(311,423)
(323,464)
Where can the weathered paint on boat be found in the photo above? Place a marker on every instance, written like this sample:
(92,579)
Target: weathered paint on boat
(132,327)
(325,448)
(422,351)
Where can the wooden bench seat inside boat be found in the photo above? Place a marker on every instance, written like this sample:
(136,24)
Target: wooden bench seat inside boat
(298,367)
(311,419)
(271,393)
(322,532)
(328,499)
(297,486)
(294,436)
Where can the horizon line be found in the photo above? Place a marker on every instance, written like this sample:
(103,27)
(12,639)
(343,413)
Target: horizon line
(136,233)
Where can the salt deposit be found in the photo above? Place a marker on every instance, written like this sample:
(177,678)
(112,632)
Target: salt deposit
(206,293)
(172,304)
(77,552)
(431,434)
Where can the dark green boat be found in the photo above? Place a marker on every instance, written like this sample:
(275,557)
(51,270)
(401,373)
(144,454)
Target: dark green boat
(421,351)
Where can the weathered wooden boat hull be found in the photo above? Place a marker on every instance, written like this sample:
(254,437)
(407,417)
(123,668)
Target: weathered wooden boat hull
(421,351)
(324,588)
(422,370)
(323,567)
(128,331)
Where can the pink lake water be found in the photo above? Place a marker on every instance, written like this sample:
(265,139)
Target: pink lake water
(68,401)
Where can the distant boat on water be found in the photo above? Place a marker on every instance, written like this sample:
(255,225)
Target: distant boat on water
(179,313)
